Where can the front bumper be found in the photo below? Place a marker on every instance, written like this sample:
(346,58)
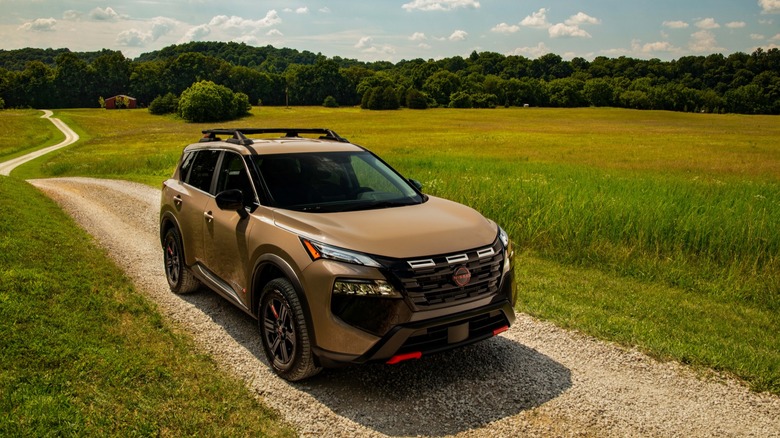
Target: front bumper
(361,329)
(423,338)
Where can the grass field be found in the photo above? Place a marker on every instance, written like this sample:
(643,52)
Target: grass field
(651,229)
(24,131)
(83,354)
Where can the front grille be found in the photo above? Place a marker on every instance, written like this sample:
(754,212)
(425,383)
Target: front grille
(436,339)
(430,282)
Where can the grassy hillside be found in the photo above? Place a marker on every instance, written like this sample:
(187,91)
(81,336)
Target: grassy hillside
(653,229)
(24,131)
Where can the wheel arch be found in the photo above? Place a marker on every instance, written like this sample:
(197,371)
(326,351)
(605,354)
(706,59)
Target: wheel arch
(270,266)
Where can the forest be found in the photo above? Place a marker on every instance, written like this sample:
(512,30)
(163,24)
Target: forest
(59,78)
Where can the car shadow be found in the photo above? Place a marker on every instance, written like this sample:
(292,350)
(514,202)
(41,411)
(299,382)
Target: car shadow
(442,394)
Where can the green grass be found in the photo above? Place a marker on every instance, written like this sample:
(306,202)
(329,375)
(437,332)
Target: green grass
(84,354)
(24,131)
(652,229)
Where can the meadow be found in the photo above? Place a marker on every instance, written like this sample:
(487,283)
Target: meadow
(655,230)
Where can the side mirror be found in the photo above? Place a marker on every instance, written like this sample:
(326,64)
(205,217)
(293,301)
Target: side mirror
(232,200)
(417,184)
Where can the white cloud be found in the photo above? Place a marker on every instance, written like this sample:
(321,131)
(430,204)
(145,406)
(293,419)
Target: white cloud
(571,27)
(233,22)
(582,18)
(133,38)
(707,23)
(675,24)
(775,38)
(418,36)
(757,37)
(736,25)
(769,6)
(458,35)
(71,15)
(424,46)
(325,10)
(562,30)
(302,10)
(536,51)
(505,28)
(196,33)
(162,26)
(537,19)
(440,5)
(704,41)
(274,33)
(658,46)
(106,14)
(364,43)
(39,25)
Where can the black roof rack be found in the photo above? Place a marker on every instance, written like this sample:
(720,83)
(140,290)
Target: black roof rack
(238,135)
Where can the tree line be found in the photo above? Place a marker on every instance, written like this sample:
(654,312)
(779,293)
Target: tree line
(737,83)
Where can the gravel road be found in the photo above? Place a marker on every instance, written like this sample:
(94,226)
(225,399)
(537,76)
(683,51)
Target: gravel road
(536,379)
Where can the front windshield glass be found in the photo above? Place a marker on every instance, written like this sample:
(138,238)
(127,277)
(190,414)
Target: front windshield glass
(333,181)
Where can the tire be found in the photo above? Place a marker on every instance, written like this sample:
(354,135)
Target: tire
(284,334)
(180,279)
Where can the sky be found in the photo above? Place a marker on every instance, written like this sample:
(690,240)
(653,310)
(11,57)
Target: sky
(394,30)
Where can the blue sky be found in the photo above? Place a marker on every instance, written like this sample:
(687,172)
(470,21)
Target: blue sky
(402,29)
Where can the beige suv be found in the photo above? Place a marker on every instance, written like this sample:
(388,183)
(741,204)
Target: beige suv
(340,258)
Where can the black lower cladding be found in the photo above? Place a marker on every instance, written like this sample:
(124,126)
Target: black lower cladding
(374,315)
(440,338)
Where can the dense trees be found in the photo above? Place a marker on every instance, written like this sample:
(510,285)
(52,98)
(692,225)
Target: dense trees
(740,82)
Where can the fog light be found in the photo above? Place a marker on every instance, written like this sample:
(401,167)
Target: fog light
(365,288)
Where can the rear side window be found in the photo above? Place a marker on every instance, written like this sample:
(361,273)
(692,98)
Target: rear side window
(202,170)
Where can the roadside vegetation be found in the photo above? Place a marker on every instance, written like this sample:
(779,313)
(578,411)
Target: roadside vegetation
(84,354)
(656,230)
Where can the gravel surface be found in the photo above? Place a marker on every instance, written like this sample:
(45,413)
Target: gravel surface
(535,379)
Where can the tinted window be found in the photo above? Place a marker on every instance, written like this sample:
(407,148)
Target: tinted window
(334,181)
(186,165)
(203,166)
(233,175)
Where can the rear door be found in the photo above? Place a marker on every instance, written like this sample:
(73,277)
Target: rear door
(190,196)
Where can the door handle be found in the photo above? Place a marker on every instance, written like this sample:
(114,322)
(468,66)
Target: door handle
(209,217)
(177,200)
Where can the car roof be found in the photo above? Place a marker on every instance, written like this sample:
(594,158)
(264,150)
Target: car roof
(291,141)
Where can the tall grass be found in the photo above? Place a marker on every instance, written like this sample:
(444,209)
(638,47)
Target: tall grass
(700,234)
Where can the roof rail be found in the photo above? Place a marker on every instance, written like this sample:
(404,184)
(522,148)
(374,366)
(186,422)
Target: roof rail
(238,135)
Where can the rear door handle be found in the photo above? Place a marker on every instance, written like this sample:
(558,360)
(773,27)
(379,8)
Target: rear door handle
(177,200)
(209,217)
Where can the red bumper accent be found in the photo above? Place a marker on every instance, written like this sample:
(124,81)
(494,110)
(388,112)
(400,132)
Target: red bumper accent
(402,357)
(500,330)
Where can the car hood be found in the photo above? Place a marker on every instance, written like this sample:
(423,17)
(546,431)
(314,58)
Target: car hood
(437,226)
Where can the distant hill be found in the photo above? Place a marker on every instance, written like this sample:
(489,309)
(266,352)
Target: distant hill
(18,59)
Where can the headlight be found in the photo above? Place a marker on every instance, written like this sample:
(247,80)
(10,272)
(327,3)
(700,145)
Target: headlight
(365,288)
(504,237)
(322,251)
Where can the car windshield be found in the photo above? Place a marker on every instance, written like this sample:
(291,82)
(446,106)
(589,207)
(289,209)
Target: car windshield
(333,182)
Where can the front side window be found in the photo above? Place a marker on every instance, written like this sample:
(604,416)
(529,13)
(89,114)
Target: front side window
(333,181)
(233,176)
(202,170)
